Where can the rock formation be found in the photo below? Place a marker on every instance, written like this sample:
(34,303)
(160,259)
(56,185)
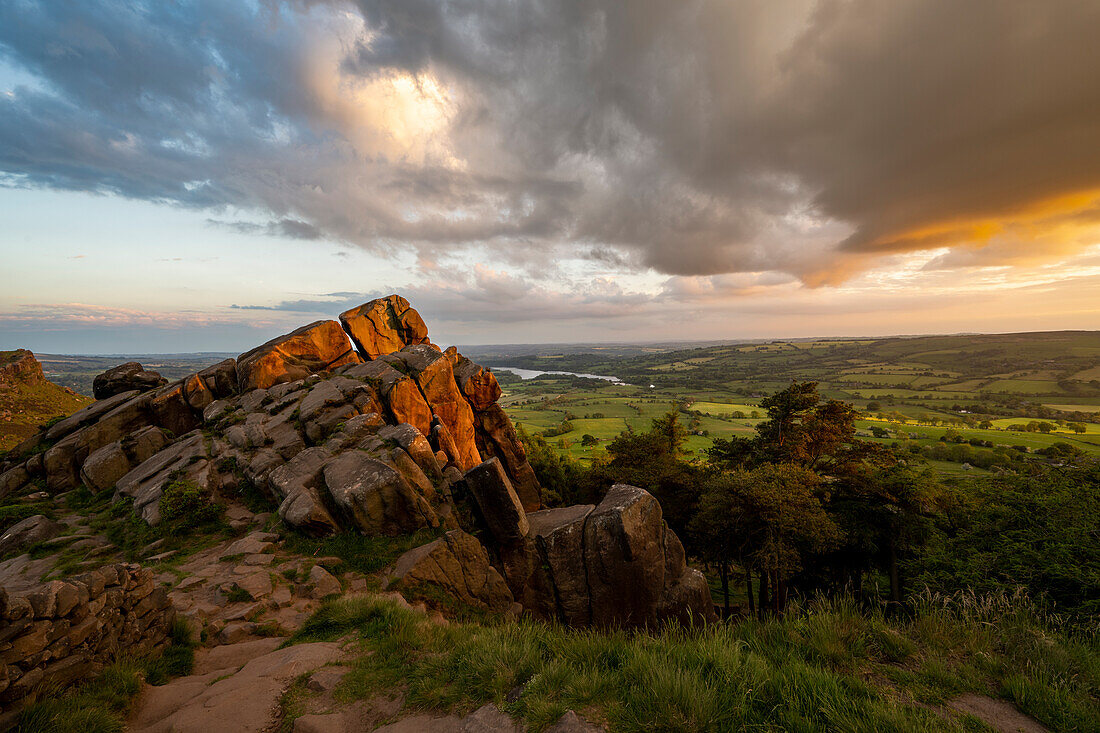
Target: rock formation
(318,347)
(124,378)
(386,438)
(384,326)
(20,365)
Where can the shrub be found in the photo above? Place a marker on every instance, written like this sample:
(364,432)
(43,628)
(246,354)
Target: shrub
(183,507)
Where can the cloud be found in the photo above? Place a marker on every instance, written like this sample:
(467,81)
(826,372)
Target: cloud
(59,316)
(289,228)
(811,139)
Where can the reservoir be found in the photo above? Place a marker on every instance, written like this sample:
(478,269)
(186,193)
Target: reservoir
(532,373)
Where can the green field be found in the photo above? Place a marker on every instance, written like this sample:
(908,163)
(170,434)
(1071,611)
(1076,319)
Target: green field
(932,384)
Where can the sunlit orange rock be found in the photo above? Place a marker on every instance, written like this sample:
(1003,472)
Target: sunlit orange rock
(318,347)
(477,383)
(435,377)
(399,392)
(383,326)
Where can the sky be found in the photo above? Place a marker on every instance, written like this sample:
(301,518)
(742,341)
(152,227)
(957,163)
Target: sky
(202,175)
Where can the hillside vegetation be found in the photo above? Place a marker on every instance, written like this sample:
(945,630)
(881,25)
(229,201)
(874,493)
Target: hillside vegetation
(28,399)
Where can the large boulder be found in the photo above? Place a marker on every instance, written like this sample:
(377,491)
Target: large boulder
(298,486)
(558,538)
(497,502)
(434,375)
(383,326)
(478,384)
(635,564)
(613,565)
(87,416)
(318,347)
(413,442)
(62,462)
(124,378)
(104,467)
(402,398)
(221,378)
(457,565)
(185,459)
(374,497)
(498,438)
(30,531)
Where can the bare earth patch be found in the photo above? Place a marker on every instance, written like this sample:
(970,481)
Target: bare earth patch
(997,714)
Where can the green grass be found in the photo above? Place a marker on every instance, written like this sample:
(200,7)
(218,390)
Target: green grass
(12,514)
(829,666)
(366,555)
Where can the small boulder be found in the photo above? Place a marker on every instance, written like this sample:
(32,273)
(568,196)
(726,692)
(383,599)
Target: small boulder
(30,531)
(124,378)
(457,565)
(572,723)
(323,583)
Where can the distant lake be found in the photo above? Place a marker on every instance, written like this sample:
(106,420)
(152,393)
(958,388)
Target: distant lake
(532,373)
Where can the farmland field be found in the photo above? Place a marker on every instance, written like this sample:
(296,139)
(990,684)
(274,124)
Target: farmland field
(994,393)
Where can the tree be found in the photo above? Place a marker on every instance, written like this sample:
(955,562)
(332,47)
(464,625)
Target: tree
(562,477)
(884,514)
(799,429)
(670,430)
(588,440)
(765,520)
(652,461)
(1037,531)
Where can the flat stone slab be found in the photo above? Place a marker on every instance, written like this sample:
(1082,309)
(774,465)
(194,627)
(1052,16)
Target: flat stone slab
(244,702)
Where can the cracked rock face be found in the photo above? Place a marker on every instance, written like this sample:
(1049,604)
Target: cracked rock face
(384,326)
(375,430)
(633,565)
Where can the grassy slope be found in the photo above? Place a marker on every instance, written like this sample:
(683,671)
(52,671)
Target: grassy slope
(28,406)
(826,667)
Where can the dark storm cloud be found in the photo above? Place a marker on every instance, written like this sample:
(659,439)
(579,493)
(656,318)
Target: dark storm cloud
(697,137)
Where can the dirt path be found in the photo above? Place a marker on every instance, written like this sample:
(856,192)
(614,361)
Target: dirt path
(997,714)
